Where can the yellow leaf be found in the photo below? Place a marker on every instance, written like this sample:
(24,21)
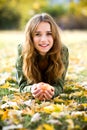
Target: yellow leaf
(82,107)
(53,108)
(45,127)
(1,112)
(40,127)
(57,100)
(85,118)
(5,115)
(76,94)
(15,119)
(6,85)
(48,127)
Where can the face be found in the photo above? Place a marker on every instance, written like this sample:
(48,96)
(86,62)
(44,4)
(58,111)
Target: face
(43,40)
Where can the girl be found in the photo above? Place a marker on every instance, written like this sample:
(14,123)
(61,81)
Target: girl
(42,59)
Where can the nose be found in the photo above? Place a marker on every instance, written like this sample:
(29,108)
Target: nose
(43,38)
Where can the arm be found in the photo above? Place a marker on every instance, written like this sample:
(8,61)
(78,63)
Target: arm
(25,86)
(21,79)
(60,82)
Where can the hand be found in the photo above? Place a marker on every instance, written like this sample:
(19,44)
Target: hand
(49,92)
(42,91)
(37,91)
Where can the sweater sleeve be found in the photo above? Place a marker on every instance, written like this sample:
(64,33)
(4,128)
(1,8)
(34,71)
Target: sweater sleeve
(60,82)
(21,79)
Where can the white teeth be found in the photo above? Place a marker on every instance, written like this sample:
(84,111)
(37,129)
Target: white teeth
(44,45)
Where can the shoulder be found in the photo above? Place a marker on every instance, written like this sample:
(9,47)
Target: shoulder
(20,46)
(64,48)
(19,60)
(65,53)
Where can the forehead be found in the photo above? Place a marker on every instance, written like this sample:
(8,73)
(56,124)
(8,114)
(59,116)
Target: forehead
(43,26)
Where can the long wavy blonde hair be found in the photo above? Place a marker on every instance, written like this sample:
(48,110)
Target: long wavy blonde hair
(30,64)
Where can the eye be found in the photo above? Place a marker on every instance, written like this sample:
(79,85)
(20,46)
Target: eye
(49,34)
(37,34)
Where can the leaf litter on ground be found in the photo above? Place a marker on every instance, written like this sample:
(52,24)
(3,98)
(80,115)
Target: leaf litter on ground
(68,111)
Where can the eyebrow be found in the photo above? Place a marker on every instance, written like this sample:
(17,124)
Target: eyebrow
(40,31)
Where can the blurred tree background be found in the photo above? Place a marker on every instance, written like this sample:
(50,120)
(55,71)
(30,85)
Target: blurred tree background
(71,14)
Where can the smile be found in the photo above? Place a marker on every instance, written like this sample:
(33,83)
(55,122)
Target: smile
(45,45)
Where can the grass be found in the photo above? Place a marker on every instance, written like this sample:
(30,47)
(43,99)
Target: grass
(10,38)
(75,40)
(65,112)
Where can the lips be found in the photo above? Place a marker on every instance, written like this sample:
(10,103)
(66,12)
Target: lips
(43,45)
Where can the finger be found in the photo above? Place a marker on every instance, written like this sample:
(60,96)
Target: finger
(50,92)
(41,97)
(34,87)
(36,95)
(40,84)
(47,96)
(36,91)
(52,89)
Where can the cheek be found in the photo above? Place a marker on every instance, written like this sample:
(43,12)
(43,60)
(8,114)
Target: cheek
(51,41)
(35,40)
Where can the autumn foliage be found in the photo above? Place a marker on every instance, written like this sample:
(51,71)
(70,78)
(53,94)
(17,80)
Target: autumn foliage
(68,111)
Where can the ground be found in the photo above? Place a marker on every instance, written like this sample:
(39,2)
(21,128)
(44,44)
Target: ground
(68,111)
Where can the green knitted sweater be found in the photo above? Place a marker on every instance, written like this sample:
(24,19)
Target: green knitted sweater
(22,81)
